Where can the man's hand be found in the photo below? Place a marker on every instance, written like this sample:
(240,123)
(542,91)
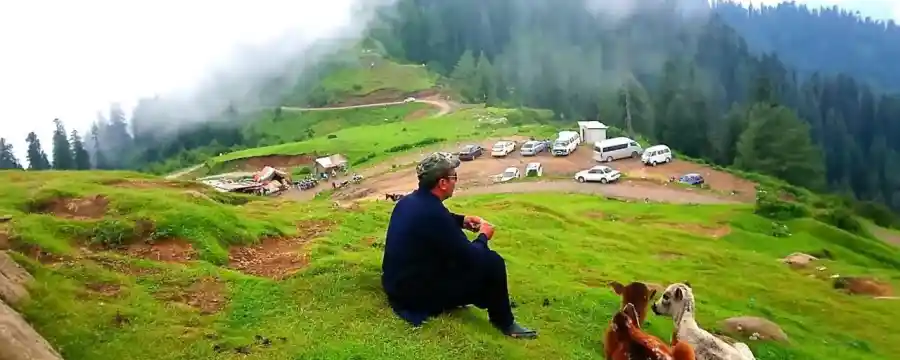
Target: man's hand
(487,229)
(472,223)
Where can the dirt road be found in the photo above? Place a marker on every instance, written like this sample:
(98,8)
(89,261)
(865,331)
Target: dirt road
(444,106)
(183,172)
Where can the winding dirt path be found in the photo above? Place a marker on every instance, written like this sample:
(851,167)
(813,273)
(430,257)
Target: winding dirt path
(182,172)
(444,106)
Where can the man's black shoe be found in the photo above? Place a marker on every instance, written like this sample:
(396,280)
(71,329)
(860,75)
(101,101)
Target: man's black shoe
(519,332)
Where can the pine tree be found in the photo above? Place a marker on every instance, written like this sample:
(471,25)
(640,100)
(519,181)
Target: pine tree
(8,159)
(464,76)
(116,139)
(776,142)
(62,150)
(485,81)
(79,153)
(37,158)
(98,157)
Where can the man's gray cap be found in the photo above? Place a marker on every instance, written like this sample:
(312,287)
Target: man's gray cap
(436,164)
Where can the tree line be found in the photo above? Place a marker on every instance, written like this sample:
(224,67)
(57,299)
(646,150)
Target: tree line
(69,151)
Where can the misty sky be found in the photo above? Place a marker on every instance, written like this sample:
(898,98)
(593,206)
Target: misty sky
(70,59)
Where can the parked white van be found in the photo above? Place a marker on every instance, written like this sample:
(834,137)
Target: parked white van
(656,154)
(616,148)
(566,143)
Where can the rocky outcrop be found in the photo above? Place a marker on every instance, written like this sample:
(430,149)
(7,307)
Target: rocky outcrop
(18,340)
(754,328)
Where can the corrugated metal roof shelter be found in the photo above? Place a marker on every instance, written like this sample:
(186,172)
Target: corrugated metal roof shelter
(324,164)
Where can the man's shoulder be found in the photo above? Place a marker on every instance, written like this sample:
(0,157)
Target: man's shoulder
(416,204)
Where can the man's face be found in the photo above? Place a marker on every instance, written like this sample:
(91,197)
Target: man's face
(447,184)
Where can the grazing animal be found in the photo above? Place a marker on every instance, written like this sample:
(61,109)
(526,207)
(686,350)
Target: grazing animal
(638,295)
(634,344)
(678,303)
(394,197)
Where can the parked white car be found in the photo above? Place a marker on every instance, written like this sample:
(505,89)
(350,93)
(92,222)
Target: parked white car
(409,100)
(601,173)
(656,154)
(503,148)
(534,169)
(509,174)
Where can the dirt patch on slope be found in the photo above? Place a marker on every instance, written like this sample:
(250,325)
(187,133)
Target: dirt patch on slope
(275,161)
(170,250)
(90,207)
(103,289)
(712,231)
(277,258)
(718,180)
(206,294)
(864,286)
(885,235)
(152,184)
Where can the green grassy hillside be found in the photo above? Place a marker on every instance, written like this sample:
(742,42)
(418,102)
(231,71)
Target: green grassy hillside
(291,125)
(367,78)
(378,141)
(204,304)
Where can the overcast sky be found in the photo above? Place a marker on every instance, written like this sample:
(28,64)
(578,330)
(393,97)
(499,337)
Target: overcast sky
(70,59)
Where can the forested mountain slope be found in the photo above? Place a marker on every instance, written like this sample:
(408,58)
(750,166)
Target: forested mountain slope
(600,61)
(831,40)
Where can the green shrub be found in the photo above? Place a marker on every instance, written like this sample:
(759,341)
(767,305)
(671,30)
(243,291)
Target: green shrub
(843,219)
(363,159)
(878,213)
(769,205)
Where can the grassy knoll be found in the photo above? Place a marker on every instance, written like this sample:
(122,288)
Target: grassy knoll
(369,76)
(291,126)
(111,306)
(50,208)
(364,79)
(372,142)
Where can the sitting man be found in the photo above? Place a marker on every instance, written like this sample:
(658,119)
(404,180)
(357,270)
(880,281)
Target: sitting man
(429,264)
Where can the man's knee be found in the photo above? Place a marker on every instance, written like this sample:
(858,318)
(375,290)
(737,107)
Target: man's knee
(494,262)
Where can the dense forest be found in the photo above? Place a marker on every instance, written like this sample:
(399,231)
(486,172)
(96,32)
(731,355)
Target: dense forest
(646,73)
(830,40)
(643,70)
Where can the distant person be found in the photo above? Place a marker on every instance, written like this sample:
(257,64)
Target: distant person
(431,267)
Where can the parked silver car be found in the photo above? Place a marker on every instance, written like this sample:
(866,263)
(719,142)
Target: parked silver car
(532,148)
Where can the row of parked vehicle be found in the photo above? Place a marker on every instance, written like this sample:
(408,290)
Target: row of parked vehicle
(504,148)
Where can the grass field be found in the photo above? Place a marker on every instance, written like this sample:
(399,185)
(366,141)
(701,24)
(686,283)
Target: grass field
(293,125)
(106,305)
(376,141)
(364,79)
